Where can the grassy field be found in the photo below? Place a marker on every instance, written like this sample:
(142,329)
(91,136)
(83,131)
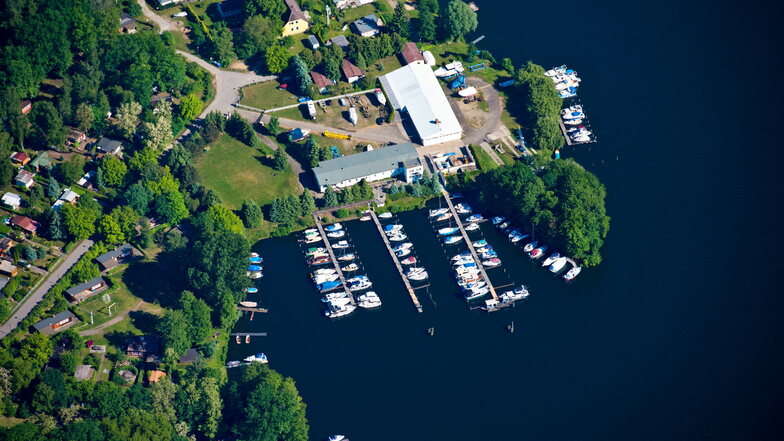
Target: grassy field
(483,160)
(238,172)
(267,96)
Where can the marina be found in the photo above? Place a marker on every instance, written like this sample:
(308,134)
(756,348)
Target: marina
(334,260)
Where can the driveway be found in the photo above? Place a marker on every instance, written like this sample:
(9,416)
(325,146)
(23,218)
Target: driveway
(164,23)
(35,298)
(490,94)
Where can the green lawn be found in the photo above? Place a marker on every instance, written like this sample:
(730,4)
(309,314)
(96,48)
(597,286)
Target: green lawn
(483,160)
(267,96)
(238,172)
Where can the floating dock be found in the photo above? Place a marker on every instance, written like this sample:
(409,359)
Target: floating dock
(406,282)
(252,334)
(470,244)
(335,262)
(246,309)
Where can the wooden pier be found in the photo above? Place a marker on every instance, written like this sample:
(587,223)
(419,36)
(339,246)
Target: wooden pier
(252,334)
(470,244)
(245,308)
(397,262)
(332,256)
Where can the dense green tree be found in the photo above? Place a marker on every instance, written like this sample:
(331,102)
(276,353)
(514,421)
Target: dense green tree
(268,8)
(53,189)
(508,66)
(80,222)
(307,203)
(223,44)
(47,124)
(173,328)
(55,227)
(430,6)
(110,231)
(273,125)
(218,263)
(330,197)
(71,171)
(301,74)
(400,21)
(128,117)
(197,315)
(276,58)
(138,197)
(84,117)
(459,20)
(170,207)
(280,160)
(543,106)
(260,33)
(251,214)
(219,217)
(159,134)
(190,107)
(113,170)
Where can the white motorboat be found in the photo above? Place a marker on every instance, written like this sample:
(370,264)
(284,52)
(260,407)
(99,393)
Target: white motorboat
(356,279)
(313,239)
(530,246)
(335,311)
(318,280)
(438,212)
(452,240)
(417,274)
(476,293)
(513,296)
(472,227)
(497,220)
(575,108)
(468,91)
(251,290)
(347,257)
(480,243)
(504,225)
(552,258)
(336,234)
(311,232)
(380,97)
(463,208)
(337,438)
(572,273)
(403,246)
(334,227)
(324,271)
(359,286)
(443,217)
(350,267)
(403,253)
(556,71)
(340,245)
(557,265)
(447,231)
(573,115)
(337,299)
(392,228)
(461,255)
(537,252)
(256,358)
(463,260)
(581,138)
(492,263)
(398,237)
(518,237)
(467,286)
(369,300)
(408,261)
(248,304)
(573,122)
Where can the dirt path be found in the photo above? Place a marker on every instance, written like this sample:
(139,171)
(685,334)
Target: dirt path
(111,322)
(164,23)
(383,134)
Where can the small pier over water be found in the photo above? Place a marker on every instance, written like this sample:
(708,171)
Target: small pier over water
(470,244)
(406,282)
(252,334)
(332,256)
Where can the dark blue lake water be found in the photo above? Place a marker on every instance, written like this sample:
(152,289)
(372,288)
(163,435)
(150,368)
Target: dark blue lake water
(677,335)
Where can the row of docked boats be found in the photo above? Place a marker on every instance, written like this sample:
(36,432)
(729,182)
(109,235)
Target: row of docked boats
(566,81)
(255,269)
(403,252)
(577,131)
(255,358)
(555,262)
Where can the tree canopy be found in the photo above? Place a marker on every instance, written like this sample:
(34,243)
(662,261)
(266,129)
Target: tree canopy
(459,20)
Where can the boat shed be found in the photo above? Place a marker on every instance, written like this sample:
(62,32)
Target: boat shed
(415,92)
(395,160)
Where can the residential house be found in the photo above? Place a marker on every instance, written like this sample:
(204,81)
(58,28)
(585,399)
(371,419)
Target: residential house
(190,356)
(84,181)
(76,137)
(112,259)
(351,71)
(411,54)
(230,8)
(69,196)
(84,372)
(141,346)
(6,244)
(296,23)
(313,42)
(12,200)
(20,158)
(340,40)
(167,3)
(84,291)
(27,106)
(368,26)
(322,82)
(25,223)
(109,147)
(127,24)
(24,179)
(7,268)
(56,323)
(343,4)
(156,376)
(41,161)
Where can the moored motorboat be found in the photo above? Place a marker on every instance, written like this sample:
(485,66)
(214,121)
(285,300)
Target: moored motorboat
(476,293)
(318,280)
(313,239)
(480,243)
(392,228)
(462,260)
(497,220)
(347,257)
(341,244)
(514,295)
(448,231)
(403,246)
(438,212)
(256,358)
(572,273)
(360,285)
(573,115)
(357,278)
(335,296)
(452,240)
(329,286)
(386,215)
(530,246)
(320,260)
(461,255)
(537,252)
(334,227)
(403,253)
(472,227)
(573,122)
(503,226)
(417,274)
(336,234)
(518,237)
(335,311)
(255,260)
(399,237)
(409,261)
(557,265)
(350,267)
(324,271)
(248,304)
(252,290)
(233,364)
(315,250)
(552,258)
(492,263)
(443,217)
(474,218)
(369,300)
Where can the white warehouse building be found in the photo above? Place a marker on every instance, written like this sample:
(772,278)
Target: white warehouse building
(396,160)
(415,91)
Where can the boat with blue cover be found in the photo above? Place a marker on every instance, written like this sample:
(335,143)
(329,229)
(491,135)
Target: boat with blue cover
(452,240)
(258,358)
(252,290)
(329,286)
(254,268)
(334,227)
(255,260)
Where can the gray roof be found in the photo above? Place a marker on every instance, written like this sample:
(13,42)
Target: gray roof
(83,286)
(108,145)
(366,24)
(122,249)
(45,323)
(335,171)
(340,40)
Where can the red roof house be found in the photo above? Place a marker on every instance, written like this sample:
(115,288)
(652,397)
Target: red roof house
(321,82)
(20,158)
(25,223)
(411,54)
(351,71)
(27,106)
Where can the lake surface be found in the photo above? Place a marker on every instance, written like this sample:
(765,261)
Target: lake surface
(676,335)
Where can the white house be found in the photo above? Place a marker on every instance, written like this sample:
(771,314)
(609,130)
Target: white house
(343,4)
(395,160)
(12,200)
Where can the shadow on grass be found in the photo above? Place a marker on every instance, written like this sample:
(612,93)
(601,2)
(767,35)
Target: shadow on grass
(144,321)
(162,281)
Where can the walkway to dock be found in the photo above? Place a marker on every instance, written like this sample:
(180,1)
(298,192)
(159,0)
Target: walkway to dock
(470,244)
(397,262)
(252,334)
(333,257)
(245,308)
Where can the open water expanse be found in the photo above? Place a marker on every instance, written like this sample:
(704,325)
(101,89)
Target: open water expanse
(676,335)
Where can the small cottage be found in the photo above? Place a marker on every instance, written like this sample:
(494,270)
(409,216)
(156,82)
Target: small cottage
(411,54)
(20,158)
(84,291)
(12,200)
(122,254)
(24,179)
(322,82)
(56,323)
(7,268)
(25,223)
(313,42)
(109,146)
(368,26)
(351,71)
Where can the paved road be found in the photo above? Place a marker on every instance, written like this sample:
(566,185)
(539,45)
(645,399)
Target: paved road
(33,299)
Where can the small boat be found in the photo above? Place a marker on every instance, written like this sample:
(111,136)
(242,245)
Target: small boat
(476,293)
(557,265)
(461,255)
(311,232)
(530,246)
(463,208)
(448,231)
(249,304)
(515,295)
(553,257)
(419,274)
(438,212)
(503,226)
(337,438)
(315,250)
(497,220)
(359,286)
(365,217)
(573,115)
(463,260)
(452,240)
(480,243)
(336,234)
(313,239)
(556,71)
(258,358)
(537,252)
(340,245)
(254,254)
(575,108)
(252,290)
(338,300)
(334,227)
(329,286)
(237,339)
(398,237)
(572,273)
(443,217)
(380,97)
(255,260)
(488,254)
(350,267)
(335,311)
(573,122)
(468,91)
(403,253)
(518,237)
(472,227)
(254,274)
(233,364)
(347,257)
(247,338)
(468,286)
(474,218)
(492,263)
(581,138)
(357,279)
(409,261)
(369,300)
(321,260)
(403,246)
(392,228)
(254,268)
(318,280)
(324,271)
(456,195)
(386,215)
